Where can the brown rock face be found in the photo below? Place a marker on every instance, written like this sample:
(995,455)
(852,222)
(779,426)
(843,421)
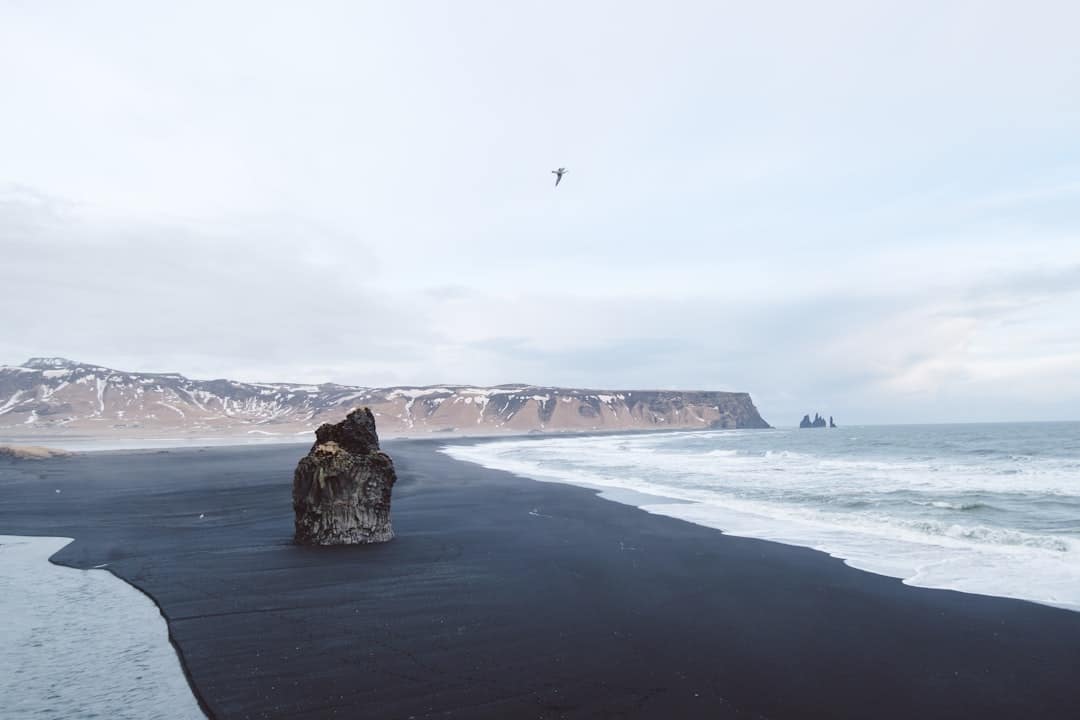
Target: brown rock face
(341,488)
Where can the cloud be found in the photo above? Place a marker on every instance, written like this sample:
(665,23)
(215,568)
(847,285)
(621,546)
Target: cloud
(242,298)
(267,299)
(862,209)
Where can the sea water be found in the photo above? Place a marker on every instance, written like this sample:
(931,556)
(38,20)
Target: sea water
(991,509)
(82,643)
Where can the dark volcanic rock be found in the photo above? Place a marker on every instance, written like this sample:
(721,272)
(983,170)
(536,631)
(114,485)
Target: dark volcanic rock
(341,488)
(831,423)
(817,422)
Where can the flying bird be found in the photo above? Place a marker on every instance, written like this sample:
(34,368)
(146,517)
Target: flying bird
(558,175)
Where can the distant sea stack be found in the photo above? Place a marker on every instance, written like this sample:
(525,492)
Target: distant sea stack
(341,488)
(817,422)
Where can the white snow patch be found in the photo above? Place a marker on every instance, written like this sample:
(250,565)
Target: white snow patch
(415,392)
(100,384)
(48,392)
(174,409)
(11,402)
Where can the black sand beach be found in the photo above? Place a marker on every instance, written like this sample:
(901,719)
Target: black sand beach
(505,598)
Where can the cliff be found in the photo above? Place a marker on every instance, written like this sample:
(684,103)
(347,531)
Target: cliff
(53,396)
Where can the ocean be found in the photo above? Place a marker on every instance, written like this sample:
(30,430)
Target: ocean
(991,508)
(82,643)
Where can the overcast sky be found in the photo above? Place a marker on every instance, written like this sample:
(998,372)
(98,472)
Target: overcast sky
(868,209)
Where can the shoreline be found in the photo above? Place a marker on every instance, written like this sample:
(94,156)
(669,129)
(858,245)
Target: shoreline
(130,444)
(740,521)
(483,607)
(200,700)
(116,629)
(135,444)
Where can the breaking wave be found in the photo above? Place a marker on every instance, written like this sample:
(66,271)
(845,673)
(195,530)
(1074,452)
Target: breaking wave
(989,509)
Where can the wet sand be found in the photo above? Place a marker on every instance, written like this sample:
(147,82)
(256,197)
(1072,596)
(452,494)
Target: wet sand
(505,597)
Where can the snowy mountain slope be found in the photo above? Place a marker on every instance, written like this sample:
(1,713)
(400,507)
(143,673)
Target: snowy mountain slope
(47,396)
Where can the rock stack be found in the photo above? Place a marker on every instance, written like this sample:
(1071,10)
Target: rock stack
(341,488)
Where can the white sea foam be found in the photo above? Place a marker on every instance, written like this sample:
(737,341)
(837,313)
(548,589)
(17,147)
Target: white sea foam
(82,643)
(937,509)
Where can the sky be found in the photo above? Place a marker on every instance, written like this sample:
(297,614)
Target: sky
(870,210)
